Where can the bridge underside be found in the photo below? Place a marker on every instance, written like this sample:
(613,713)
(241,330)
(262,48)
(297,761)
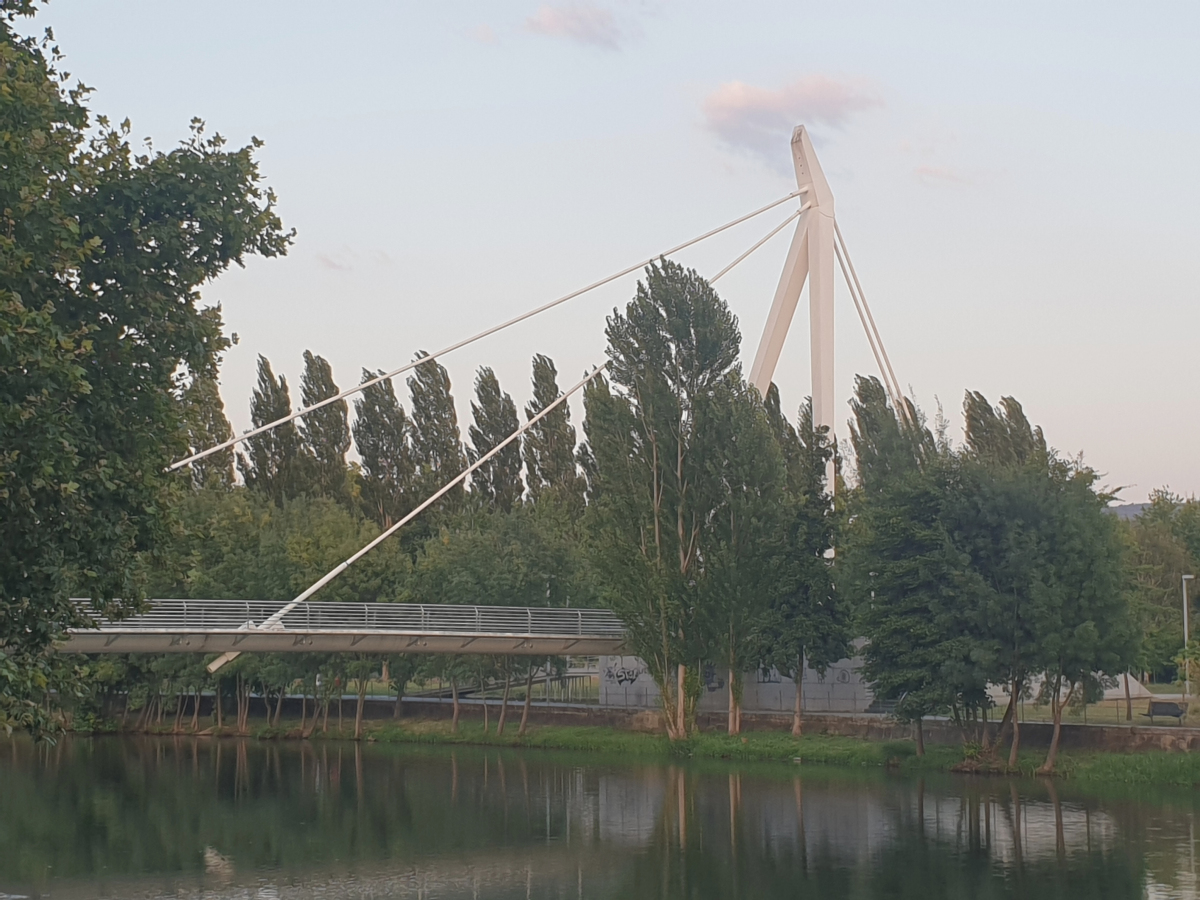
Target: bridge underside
(143,641)
(265,626)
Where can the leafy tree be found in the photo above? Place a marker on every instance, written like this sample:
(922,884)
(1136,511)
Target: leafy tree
(436,445)
(997,518)
(204,415)
(1084,624)
(898,556)
(102,254)
(550,444)
(274,463)
(808,622)
(498,481)
(324,432)
(744,540)
(239,545)
(381,433)
(1159,558)
(656,472)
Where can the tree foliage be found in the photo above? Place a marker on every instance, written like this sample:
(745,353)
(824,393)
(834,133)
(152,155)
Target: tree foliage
(103,251)
(274,463)
(324,432)
(381,436)
(549,446)
(497,483)
(436,443)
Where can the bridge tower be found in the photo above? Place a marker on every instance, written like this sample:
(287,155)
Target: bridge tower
(810,257)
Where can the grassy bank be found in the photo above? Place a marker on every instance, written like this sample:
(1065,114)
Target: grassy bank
(817,749)
(1092,768)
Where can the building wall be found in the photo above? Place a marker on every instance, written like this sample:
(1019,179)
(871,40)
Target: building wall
(625,683)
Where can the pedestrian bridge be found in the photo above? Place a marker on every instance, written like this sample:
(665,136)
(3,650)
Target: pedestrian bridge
(257,626)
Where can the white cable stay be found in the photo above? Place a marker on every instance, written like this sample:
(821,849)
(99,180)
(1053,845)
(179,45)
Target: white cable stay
(274,620)
(341,395)
(770,234)
(862,317)
(881,358)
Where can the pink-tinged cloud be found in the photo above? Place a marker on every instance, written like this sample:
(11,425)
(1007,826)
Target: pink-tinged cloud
(579,22)
(760,120)
(484,34)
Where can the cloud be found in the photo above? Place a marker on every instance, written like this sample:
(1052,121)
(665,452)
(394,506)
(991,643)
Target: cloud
(760,120)
(579,22)
(484,34)
(327,261)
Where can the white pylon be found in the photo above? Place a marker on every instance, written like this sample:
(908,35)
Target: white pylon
(810,258)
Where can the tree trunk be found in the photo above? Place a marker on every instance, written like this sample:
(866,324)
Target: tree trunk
(798,706)
(218,703)
(1057,706)
(1014,705)
(680,712)
(454,696)
(244,724)
(1016,743)
(525,708)
(504,701)
(483,700)
(340,710)
(303,710)
(920,723)
(279,707)
(398,708)
(358,709)
(196,711)
(325,716)
(731,721)
(1006,722)
(1128,701)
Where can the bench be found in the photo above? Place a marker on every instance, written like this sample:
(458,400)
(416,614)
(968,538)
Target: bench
(1167,709)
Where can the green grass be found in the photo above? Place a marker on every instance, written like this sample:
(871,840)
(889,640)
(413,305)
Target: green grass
(759,747)
(1150,767)
(1093,770)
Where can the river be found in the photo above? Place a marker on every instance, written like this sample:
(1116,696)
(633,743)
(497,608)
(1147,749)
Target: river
(215,819)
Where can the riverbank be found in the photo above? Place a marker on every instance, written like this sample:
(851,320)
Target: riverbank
(1150,767)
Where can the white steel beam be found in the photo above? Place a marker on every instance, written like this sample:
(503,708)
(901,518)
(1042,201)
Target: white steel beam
(810,258)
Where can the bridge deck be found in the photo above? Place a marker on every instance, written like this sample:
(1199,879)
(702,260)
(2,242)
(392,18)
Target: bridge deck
(217,626)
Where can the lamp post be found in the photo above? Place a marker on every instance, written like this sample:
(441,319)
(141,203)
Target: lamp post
(1187,684)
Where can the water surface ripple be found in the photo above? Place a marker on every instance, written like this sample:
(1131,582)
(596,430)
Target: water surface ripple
(214,819)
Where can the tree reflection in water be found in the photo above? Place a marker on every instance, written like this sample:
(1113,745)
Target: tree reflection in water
(193,817)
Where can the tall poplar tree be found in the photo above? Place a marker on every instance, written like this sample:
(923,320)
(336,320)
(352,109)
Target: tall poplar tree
(656,472)
(550,444)
(381,434)
(325,432)
(900,559)
(808,624)
(745,540)
(498,481)
(436,442)
(207,426)
(274,463)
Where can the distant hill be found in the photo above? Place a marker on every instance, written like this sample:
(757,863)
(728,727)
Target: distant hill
(1128,510)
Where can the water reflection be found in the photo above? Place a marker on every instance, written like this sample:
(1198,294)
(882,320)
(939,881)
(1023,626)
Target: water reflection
(199,818)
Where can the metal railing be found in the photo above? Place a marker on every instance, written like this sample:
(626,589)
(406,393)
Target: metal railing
(196,616)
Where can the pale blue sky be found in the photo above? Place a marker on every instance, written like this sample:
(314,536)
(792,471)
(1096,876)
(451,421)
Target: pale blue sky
(1018,183)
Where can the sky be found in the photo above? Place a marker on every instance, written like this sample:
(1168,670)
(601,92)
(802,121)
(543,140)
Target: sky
(1016,183)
